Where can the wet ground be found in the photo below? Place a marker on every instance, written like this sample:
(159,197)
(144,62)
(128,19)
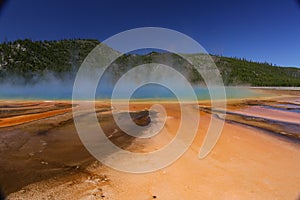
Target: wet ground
(38,139)
(282,118)
(47,145)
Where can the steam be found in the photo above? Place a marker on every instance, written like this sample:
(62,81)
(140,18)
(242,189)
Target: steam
(48,88)
(60,86)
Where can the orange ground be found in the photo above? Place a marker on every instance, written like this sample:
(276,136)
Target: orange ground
(246,163)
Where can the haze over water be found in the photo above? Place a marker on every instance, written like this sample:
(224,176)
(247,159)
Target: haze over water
(149,91)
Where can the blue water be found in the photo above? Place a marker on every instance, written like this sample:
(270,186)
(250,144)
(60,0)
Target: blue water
(285,107)
(150,91)
(159,92)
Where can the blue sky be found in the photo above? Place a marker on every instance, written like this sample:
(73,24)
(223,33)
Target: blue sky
(259,30)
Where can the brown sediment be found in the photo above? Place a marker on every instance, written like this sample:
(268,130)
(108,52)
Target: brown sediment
(246,163)
(290,130)
(279,92)
(20,119)
(12,113)
(261,114)
(45,145)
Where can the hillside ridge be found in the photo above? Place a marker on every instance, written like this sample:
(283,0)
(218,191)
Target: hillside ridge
(28,62)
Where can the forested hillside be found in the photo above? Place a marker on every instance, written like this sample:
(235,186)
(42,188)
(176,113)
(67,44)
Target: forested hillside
(240,71)
(28,62)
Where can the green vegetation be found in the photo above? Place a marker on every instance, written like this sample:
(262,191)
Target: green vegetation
(28,62)
(242,72)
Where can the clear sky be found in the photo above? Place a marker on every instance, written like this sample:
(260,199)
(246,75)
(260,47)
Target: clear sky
(259,30)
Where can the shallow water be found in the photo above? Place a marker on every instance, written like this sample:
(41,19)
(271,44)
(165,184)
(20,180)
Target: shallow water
(284,107)
(150,91)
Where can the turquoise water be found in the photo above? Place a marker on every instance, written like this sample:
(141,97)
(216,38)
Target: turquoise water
(202,93)
(150,91)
